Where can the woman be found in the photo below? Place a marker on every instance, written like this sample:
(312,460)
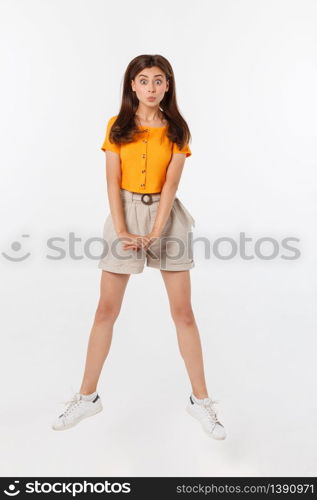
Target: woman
(145,145)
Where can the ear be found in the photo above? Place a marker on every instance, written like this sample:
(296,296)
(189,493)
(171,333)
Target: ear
(132,85)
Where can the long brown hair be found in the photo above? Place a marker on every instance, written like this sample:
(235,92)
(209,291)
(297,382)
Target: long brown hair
(124,128)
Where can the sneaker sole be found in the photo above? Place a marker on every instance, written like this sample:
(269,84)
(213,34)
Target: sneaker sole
(68,426)
(206,432)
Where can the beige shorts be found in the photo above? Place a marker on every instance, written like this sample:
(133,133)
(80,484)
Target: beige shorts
(173,251)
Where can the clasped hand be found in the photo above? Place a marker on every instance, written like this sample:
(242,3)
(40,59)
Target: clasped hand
(137,241)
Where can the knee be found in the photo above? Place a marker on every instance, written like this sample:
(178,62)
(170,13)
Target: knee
(107,311)
(183,315)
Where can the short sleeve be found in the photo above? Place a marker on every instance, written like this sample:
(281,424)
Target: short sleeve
(107,145)
(186,149)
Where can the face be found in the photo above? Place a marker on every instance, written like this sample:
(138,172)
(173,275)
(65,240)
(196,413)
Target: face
(150,86)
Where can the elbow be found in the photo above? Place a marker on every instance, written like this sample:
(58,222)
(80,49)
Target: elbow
(171,185)
(113,184)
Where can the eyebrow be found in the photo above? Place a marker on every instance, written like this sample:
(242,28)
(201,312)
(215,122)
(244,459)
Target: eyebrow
(148,77)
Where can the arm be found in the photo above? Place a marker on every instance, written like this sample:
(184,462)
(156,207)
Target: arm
(168,192)
(113,177)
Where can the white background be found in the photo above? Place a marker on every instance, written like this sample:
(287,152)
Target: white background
(246,79)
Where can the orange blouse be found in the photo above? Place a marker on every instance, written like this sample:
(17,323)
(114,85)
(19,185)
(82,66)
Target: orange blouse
(144,162)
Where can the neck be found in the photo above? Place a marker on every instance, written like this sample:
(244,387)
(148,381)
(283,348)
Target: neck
(147,114)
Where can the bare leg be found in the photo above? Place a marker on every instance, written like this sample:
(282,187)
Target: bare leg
(179,290)
(112,288)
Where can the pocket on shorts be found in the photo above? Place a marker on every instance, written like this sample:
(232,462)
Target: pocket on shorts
(186,212)
(106,225)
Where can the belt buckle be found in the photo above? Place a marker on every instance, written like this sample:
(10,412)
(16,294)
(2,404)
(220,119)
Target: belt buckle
(147,202)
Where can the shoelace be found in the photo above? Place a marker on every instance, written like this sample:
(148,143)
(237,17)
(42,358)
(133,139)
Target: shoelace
(211,411)
(71,404)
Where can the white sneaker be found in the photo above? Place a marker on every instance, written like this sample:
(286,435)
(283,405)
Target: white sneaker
(206,414)
(76,410)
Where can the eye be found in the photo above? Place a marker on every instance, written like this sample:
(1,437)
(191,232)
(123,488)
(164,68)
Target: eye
(143,80)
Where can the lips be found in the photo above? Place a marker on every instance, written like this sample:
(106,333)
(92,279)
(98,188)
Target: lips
(151,98)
